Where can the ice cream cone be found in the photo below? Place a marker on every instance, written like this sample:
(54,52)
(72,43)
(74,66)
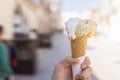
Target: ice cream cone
(78,32)
(78,46)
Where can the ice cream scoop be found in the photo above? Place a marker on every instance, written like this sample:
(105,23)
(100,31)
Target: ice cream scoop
(76,27)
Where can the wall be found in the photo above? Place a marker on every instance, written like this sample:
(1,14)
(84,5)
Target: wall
(6,17)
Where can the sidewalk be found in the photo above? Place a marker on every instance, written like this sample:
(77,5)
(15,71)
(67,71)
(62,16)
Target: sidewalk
(104,56)
(47,58)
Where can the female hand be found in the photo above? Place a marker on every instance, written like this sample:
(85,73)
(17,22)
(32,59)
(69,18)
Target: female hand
(63,70)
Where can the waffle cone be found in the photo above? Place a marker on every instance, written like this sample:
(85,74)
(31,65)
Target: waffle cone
(78,46)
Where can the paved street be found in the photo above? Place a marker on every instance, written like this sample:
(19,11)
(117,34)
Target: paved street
(104,56)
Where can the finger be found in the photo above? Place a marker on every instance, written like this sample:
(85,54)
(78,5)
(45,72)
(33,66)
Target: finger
(86,73)
(86,63)
(80,78)
(77,77)
(89,78)
(71,61)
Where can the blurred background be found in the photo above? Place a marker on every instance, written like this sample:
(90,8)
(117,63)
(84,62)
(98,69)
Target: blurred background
(35,32)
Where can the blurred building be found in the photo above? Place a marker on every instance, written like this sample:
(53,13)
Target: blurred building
(102,14)
(105,12)
(115,18)
(26,15)
(41,15)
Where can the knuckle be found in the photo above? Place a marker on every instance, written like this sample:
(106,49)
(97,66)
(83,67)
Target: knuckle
(87,61)
(58,65)
(87,58)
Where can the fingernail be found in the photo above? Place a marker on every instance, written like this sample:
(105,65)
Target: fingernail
(78,60)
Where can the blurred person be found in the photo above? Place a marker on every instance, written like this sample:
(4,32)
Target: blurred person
(13,56)
(6,72)
(63,70)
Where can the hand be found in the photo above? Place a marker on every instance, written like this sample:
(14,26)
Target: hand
(63,70)
(86,71)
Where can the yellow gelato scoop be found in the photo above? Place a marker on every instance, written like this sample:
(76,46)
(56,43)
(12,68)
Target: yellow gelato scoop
(85,27)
